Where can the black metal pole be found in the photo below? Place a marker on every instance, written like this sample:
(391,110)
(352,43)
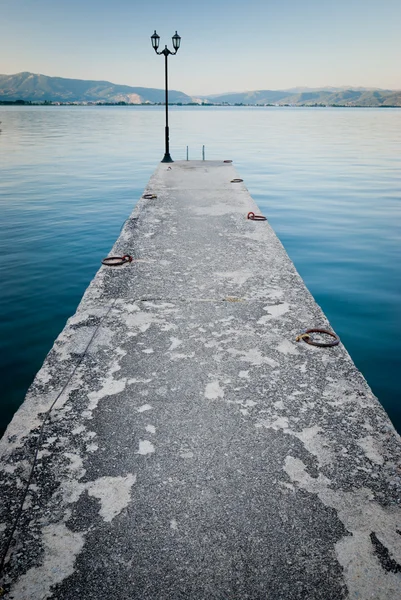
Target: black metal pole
(167,157)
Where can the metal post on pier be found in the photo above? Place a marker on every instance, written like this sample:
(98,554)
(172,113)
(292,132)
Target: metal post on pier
(203,152)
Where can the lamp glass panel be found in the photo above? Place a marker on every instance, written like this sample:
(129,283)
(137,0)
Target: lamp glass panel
(155,40)
(176,41)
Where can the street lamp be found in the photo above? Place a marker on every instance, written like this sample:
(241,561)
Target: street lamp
(176,44)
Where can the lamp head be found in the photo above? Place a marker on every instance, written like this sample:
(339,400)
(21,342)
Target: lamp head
(155,41)
(176,41)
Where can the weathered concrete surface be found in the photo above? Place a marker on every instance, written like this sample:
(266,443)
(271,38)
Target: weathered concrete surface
(197,450)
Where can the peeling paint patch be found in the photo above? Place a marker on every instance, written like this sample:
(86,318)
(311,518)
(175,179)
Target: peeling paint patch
(340,393)
(186,454)
(110,387)
(131,307)
(274,311)
(44,375)
(175,342)
(8,468)
(78,430)
(277,424)
(253,356)
(238,277)
(277,310)
(120,351)
(75,467)
(249,403)
(61,547)
(29,414)
(139,320)
(165,306)
(368,446)
(213,390)
(114,494)
(137,380)
(286,347)
(314,443)
(103,338)
(360,515)
(178,356)
(92,448)
(145,447)
(144,408)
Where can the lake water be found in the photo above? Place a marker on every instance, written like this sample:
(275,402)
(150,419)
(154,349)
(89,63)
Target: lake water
(329,181)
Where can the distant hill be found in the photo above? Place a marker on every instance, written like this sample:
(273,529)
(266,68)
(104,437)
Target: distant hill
(39,88)
(329,88)
(305,97)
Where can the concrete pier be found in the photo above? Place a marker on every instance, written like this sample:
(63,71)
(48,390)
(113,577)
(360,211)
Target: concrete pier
(185,446)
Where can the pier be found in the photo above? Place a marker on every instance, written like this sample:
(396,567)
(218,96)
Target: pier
(178,442)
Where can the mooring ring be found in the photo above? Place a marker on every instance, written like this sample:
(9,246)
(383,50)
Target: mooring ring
(116,261)
(237,180)
(228,161)
(307,339)
(149,196)
(252,217)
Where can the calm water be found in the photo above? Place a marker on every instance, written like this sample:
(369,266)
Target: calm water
(329,181)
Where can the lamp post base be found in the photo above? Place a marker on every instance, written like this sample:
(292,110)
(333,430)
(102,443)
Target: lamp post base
(167,158)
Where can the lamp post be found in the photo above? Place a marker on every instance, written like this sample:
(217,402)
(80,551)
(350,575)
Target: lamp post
(176,44)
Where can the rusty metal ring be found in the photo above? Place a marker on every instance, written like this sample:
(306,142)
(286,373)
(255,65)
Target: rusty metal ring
(306,338)
(116,261)
(252,217)
(149,196)
(237,180)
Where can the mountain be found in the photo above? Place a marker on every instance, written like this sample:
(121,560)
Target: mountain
(39,88)
(328,88)
(311,97)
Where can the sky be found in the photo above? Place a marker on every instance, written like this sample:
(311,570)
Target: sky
(227,45)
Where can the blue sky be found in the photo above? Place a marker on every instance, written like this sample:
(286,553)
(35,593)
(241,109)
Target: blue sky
(226,45)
